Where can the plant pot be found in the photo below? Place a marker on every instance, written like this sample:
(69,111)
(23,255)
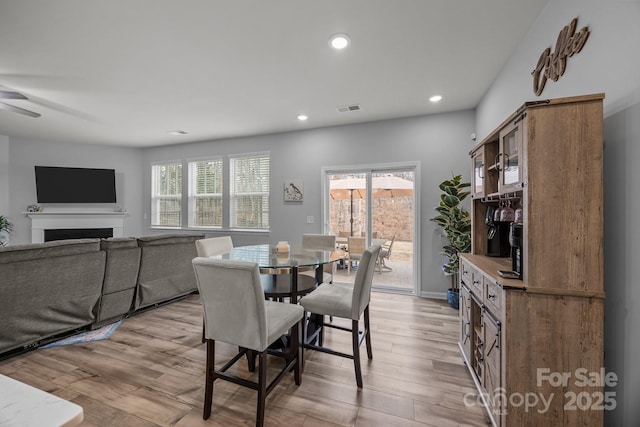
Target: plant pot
(453,298)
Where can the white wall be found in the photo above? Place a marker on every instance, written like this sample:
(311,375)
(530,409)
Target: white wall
(4,175)
(609,63)
(440,143)
(24,154)
(4,182)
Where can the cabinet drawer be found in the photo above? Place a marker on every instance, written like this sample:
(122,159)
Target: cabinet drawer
(466,273)
(476,283)
(493,296)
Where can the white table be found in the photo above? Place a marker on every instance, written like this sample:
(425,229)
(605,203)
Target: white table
(24,406)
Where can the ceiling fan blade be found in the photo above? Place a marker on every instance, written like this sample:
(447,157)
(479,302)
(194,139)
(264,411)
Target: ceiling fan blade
(7,94)
(18,110)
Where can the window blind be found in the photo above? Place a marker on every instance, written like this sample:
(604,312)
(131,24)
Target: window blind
(166,195)
(205,193)
(249,191)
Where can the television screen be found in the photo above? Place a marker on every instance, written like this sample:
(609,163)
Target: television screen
(75,185)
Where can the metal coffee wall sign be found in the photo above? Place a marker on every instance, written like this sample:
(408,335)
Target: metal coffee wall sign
(551,65)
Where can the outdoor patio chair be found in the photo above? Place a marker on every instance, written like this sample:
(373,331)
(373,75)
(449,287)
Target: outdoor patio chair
(385,253)
(356,248)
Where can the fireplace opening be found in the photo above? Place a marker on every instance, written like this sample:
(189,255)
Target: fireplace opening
(77,233)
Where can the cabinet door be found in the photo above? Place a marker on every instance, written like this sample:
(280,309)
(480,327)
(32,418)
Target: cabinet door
(492,363)
(465,322)
(510,158)
(477,184)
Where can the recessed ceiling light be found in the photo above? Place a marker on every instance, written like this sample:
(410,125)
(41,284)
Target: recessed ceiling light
(339,41)
(435,98)
(302,117)
(177,132)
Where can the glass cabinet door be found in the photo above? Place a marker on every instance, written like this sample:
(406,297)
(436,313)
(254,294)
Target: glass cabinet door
(510,147)
(478,175)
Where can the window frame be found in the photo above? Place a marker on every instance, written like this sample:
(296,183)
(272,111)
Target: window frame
(192,196)
(265,221)
(156,196)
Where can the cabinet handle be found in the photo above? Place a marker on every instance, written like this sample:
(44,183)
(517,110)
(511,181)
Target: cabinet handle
(498,162)
(491,296)
(507,163)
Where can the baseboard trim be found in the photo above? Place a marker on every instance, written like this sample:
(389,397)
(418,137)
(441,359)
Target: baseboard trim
(434,295)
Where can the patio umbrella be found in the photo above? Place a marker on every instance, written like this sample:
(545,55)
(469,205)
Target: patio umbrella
(382,186)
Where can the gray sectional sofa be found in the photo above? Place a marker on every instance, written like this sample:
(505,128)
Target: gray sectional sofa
(49,289)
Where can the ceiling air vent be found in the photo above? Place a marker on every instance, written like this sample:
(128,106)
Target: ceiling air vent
(347,108)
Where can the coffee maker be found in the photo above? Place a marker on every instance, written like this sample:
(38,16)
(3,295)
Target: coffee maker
(515,240)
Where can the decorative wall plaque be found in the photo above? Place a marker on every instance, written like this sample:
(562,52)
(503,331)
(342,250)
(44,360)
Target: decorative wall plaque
(551,65)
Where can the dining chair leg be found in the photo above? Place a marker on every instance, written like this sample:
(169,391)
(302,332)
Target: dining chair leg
(356,351)
(296,349)
(262,387)
(367,334)
(208,388)
(321,326)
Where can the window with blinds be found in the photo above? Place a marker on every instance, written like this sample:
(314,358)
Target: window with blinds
(249,191)
(205,193)
(166,195)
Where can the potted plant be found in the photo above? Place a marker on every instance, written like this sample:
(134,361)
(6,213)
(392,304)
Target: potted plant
(5,228)
(456,224)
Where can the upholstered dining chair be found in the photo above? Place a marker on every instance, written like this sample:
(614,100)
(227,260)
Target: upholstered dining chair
(356,248)
(213,246)
(321,242)
(348,302)
(236,312)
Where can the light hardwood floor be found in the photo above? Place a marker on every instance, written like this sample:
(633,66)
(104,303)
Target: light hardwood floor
(151,373)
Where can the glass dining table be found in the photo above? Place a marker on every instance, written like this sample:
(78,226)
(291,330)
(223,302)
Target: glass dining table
(280,271)
(280,274)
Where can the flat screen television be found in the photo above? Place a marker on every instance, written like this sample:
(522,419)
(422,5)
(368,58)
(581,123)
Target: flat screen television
(75,185)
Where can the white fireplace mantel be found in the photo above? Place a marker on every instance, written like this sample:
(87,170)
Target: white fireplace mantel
(41,221)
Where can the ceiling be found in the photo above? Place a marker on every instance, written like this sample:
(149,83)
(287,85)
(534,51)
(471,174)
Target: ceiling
(126,72)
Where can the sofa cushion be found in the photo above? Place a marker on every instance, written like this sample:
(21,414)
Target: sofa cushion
(47,289)
(118,243)
(168,239)
(47,250)
(123,263)
(165,268)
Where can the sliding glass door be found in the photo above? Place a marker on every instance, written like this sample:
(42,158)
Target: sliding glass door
(376,204)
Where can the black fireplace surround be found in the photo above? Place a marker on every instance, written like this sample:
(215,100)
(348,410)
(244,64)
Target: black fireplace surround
(77,233)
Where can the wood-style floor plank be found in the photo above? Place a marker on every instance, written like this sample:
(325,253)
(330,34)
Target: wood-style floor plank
(150,372)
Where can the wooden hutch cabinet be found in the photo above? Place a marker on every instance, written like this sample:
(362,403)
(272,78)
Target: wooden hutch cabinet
(534,346)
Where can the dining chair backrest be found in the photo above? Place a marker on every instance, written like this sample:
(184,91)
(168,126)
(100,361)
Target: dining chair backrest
(214,246)
(357,245)
(320,242)
(233,302)
(342,233)
(374,234)
(364,278)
